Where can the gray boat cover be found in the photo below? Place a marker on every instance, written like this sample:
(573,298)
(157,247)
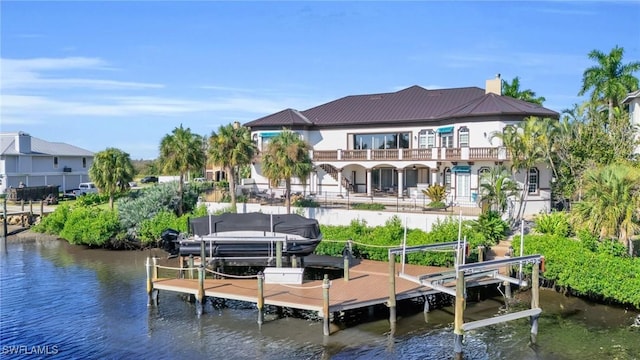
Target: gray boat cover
(282,223)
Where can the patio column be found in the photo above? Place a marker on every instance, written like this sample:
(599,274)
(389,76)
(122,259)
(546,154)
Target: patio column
(400,182)
(434,176)
(369,192)
(340,181)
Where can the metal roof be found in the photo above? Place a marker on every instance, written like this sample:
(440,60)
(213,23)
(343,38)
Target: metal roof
(40,147)
(413,104)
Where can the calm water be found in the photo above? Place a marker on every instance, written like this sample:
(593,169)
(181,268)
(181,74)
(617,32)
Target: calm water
(61,301)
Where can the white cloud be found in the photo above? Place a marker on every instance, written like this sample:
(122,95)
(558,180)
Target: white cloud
(36,74)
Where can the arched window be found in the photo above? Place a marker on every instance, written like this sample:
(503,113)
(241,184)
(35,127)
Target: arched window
(463,137)
(483,176)
(534,180)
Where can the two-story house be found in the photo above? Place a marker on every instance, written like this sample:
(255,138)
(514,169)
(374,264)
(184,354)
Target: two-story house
(35,162)
(397,143)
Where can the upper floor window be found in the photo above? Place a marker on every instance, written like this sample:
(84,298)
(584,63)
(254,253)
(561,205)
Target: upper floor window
(463,137)
(84,162)
(427,139)
(381,141)
(534,180)
(55,162)
(446,136)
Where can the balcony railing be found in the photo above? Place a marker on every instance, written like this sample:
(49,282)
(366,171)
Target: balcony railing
(439,154)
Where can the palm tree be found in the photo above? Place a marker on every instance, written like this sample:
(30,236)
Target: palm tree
(180,152)
(524,144)
(513,90)
(610,206)
(231,148)
(496,187)
(111,171)
(287,156)
(611,80)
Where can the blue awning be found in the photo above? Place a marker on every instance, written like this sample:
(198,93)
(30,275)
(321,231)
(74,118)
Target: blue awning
(461,169)
(266,135)
(446,129)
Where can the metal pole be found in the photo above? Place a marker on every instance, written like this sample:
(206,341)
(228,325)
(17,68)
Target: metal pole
(521,248)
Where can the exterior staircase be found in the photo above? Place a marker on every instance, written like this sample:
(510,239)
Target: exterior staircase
(333,172)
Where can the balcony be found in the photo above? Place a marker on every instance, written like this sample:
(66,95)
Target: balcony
(430,154)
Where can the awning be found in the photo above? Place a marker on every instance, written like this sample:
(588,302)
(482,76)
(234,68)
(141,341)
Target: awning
(461,169)
(446,129)
(266,135)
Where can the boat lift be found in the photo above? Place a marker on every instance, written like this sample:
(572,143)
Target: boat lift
(458,277)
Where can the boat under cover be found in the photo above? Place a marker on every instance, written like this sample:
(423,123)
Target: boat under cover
(245,235)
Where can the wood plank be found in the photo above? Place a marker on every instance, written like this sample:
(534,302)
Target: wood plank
(499,319)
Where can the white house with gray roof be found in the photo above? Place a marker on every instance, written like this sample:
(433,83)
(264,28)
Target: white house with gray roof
(36,162)
(633,101)
(398,143)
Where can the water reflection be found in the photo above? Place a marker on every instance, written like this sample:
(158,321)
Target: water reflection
(92,304)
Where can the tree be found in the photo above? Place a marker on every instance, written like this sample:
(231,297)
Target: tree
(513,90)
(180,152)
(111,171)
(610,80)
(231,148)
(610,207)
(523,142)
(285,157)
(496,187)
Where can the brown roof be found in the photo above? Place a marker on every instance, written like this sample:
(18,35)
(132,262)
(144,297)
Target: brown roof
(413,104)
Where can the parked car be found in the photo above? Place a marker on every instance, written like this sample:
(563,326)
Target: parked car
(149,179)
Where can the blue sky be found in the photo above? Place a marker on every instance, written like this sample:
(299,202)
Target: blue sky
(124,74)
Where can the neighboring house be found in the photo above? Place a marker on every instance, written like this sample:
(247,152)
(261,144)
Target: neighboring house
(399,143)
(633,100)
(36,162)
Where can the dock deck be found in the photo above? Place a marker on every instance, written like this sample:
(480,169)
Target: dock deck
(368,285)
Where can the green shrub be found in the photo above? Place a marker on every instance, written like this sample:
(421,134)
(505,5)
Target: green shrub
(368,206)
(436,205)
(598,275)
(150,201)
(436,193)
(54,222)
(92,199)
(490,227)
(90,226)
(305,203)
(555,223)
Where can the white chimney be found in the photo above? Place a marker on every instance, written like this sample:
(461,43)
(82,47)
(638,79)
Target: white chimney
(23,143)
(494,86)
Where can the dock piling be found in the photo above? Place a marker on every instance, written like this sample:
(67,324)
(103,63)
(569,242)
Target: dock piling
(260,303)
(150,291)
(200,295)
(346,268)
(459,316)
(325,306)
(392,291)
(535,301)
(279,254)
(191,266)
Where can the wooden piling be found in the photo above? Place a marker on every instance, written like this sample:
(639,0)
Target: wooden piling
(260,303)
(155,267)
(41,209)
(325,306)
(200,295)
(294,261)
(279,254)
(459,316)
(191,266)
(149,282)
(392,291)
(535,300)
(346,267)
(480,253)
(5,229)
